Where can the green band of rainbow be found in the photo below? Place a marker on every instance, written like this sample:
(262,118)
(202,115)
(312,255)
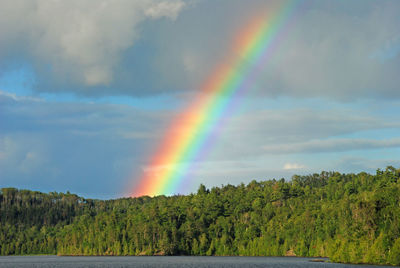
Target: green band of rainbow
(189,132)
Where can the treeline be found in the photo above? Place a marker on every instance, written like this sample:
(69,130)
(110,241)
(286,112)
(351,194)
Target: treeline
(352,218)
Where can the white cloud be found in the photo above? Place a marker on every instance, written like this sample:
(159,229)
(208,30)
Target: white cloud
(290,166)
(79,40)
(165,9)
(6,96)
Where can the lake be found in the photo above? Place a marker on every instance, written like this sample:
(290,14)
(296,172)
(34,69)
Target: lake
(164,261)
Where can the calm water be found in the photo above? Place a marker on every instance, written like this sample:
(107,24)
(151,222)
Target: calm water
(169,261)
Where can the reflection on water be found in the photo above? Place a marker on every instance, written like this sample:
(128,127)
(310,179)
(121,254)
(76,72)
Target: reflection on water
(164,261)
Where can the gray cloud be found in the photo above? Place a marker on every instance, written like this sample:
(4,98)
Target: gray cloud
(332,145)
(340,54)
(100,149)
(78,40)
(291,130)
(361,164)
(331,49)
(93,149)
(83,119)
(23,154)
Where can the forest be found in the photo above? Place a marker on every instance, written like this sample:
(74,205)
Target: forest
(350,218)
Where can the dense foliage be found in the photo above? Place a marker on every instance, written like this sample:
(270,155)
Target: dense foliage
(347,217)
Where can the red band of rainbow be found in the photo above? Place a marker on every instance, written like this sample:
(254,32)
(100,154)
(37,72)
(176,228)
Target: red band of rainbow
(188,133)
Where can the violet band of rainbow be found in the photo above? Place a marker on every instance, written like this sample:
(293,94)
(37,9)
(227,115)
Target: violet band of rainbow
(188,134)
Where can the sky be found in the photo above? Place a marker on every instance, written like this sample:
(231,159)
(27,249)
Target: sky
(88,89)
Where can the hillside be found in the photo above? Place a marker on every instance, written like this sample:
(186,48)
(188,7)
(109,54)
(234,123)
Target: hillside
(352,218)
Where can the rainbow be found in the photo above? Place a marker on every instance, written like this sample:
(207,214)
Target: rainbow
(188,134)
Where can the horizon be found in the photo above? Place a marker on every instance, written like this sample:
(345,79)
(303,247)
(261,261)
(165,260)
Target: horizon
(259,180)
(88,105)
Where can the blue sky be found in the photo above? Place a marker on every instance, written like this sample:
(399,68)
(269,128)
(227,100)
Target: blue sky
(87,90)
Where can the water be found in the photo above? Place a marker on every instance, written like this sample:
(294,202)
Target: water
(165,261)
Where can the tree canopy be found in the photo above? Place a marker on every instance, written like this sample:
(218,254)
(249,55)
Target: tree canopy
(352,218)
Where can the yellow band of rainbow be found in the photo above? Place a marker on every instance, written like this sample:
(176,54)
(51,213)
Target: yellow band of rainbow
(188,133)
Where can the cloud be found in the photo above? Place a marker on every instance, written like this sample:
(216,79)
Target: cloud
(329,53)
(361,164)
(98,149)
(22,156)
(6,97)
(165,9)
(291,130)
(78,40)
(81,147)
(150,47)
(290,166)
(326,51)
(333,145)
